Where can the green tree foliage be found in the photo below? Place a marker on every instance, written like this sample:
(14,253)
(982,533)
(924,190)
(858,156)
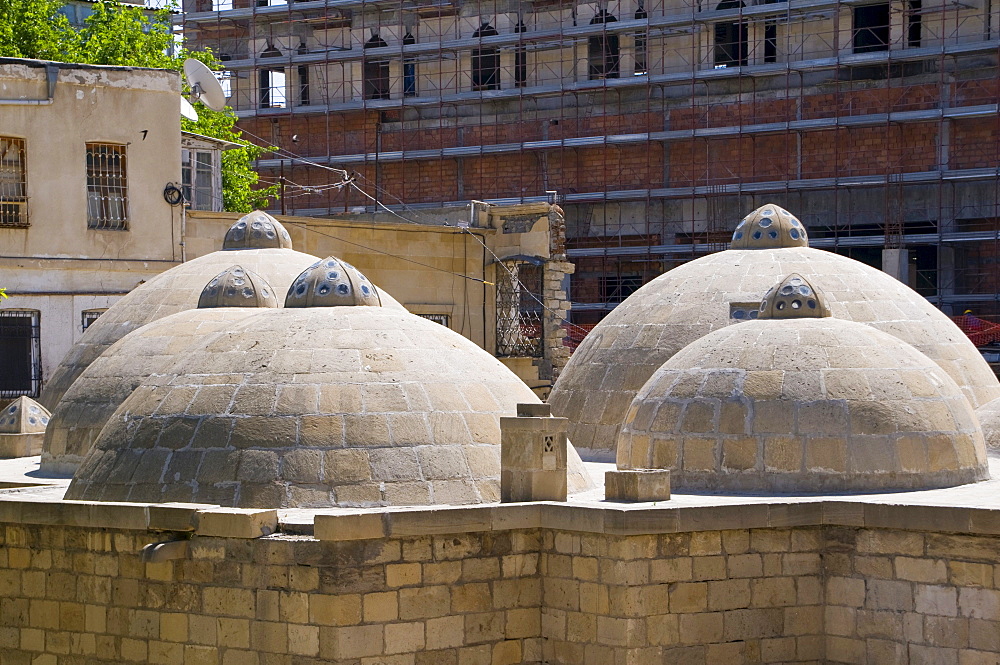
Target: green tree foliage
(36,29)
(117,34)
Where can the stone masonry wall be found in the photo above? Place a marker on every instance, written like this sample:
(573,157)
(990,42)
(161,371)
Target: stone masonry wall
(813,594)
(75,596)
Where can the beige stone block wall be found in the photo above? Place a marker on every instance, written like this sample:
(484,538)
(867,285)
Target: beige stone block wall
(74,595)
(804,595)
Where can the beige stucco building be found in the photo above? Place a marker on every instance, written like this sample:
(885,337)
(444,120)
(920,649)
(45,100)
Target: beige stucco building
(86,153)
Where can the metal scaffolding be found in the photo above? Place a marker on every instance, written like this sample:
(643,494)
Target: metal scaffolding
(659,122)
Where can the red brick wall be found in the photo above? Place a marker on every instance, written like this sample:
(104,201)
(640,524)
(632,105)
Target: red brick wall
(501,176)
(975,143)
(849,151)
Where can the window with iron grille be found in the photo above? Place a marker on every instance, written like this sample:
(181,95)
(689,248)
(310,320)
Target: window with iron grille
(20,353)
(107,187)
(13,183)
(436,318)
(89,316)
(519,309)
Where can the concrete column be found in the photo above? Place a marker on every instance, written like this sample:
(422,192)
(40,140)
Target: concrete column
(506,69)
(463,77)
(533,450)
(395,79)
(582,69)
(355,86)
(896,262)
(626,55)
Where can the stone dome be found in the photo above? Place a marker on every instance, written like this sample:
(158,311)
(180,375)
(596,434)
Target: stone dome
(332,282)
(989,420)
(257,230)
(793,298)
(803,404)
(604,374)
(237,287)
(169,292)
(311,407)
(110,379)
(768,227)
(24,416)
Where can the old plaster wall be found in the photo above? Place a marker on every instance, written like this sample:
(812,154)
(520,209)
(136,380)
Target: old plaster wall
(56,265)
(812,594)
(417,264)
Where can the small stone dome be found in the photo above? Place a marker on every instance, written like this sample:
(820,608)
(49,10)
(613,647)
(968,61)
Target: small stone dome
(793,298)
(313,407)
(768,227)
(331,283)
(237,287)
(257,230)
(169,292)
(803,404)
(24,416)
(612,363)
(110,379)
(989,420)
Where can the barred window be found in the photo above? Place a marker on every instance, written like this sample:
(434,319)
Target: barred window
(13,183)
(20,353)
(436,318)
(519,309)
(88,316)
(107,187)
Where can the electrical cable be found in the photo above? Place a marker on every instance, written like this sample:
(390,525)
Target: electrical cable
(395,256)
(350,180)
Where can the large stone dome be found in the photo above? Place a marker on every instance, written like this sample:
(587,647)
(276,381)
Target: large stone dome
(803,405)
(110,379)
(612,363)
(170,292)
(319,406)
(989,420)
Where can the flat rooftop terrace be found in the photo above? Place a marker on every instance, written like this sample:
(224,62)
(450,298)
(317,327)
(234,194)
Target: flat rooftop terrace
(28,496)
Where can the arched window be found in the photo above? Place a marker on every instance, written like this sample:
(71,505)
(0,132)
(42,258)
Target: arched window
(771,37)
(485,62)
(409,69)
(602,50)
(730,39)
(520,59)
(640,42)
(376,71)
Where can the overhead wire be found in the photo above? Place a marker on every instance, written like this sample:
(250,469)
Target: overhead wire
(350,180)
(306,227)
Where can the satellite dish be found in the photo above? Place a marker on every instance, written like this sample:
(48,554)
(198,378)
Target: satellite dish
(205,87)
(188,111)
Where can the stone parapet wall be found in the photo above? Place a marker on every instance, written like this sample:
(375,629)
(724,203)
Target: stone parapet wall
(819,582)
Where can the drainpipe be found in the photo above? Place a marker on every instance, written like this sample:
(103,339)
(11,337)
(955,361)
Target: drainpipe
(51,76)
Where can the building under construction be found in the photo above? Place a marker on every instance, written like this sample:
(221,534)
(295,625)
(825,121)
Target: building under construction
(657,123)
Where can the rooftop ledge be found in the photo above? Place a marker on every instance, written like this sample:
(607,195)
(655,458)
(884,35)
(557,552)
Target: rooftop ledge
(967,509)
